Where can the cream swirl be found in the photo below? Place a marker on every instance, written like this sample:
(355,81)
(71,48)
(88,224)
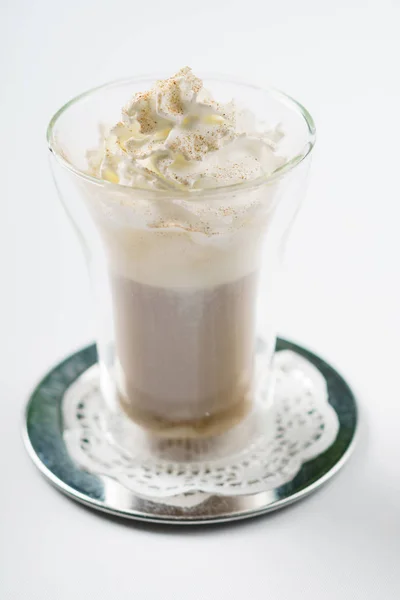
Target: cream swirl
(176,136)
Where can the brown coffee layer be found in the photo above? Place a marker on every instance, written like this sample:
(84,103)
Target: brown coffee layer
(207,426)
(185,356)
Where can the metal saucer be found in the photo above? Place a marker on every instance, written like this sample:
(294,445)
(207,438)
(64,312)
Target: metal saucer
(43,437)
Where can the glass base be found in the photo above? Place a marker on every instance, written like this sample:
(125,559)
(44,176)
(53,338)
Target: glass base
(275,456)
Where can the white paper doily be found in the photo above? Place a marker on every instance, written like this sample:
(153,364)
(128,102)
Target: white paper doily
(262,453)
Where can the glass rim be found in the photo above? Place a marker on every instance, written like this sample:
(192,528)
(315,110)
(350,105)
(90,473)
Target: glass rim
(288,166)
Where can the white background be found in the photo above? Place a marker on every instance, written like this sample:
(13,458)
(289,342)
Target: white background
(342,295)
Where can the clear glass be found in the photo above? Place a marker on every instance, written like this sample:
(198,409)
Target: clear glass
(186,312)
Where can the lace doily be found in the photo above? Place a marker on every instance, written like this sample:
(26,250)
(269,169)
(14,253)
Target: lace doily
(262,453)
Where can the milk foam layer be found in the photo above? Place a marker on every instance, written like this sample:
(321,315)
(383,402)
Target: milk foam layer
(176,136)
(191,250)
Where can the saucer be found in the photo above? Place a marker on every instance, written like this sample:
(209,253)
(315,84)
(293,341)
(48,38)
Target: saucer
(280,453)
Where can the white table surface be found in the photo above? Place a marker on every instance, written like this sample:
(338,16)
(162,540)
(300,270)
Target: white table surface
(342,292)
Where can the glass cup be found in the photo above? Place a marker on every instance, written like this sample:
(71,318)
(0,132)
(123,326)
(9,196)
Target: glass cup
(185,285)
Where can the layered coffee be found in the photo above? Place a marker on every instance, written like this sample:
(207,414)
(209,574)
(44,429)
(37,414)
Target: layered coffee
(184,259)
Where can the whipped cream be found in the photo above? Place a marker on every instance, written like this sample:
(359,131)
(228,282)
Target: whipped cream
(176,136)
